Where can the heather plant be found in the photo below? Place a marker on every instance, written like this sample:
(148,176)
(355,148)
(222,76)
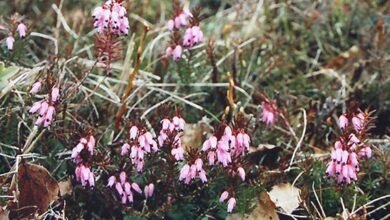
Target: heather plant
(14,26)
(194,109)
(351,147)
(110,21)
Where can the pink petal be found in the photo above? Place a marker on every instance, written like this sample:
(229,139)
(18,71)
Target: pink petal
(111,181)
(231,204)
(202,176)
(177,52)
(136,188)
(22,30)
(55,93)
(43,109)
(35,88)
(241,173)
(343,121)
(10,42)
(133,132)
(35,107)
(211,157)
(165,122)
(122,177)
(124,199)
(127,188)
(177,22)
(198,164)
(91,180)
(170,25)
(224,196)
(184,171)
(119,188)
(125,149)
(151,189)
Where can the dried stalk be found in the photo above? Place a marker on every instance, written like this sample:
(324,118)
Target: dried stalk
(130,83)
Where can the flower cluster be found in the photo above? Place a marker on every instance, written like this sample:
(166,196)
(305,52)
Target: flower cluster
(46,107)
(124,187)
(85,175)
(228,150)
(193,35)
(174,52)
(18,27)
(230,144)
(181,19)
(350,149)
(139,144)
(170,135)
(358,121)
(88,144)
(80,155)
(226,147)
(111,22)
(231,202)
(188,173)
(148,190)
(111,17)
(270,113)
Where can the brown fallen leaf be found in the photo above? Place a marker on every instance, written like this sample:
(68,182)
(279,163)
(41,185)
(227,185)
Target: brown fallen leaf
(65,187)
(285,196)
(4,214)
(234,217)
(37,189)
(265,209)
